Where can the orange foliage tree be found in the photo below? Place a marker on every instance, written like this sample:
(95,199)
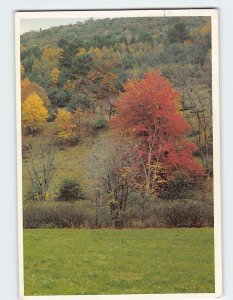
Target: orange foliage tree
(150,107)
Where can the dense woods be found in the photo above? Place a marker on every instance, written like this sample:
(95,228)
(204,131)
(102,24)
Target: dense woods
(117,123)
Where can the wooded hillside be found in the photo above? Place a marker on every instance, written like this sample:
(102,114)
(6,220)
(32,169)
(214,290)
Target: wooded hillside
(138,89)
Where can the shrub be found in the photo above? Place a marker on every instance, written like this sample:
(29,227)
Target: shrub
(100,122)
(73,140)
(180,188)
(168,213)
(179,213)
(132,216)
(59,215)
(103,213)
(70,190)
(83,214)
(52,117)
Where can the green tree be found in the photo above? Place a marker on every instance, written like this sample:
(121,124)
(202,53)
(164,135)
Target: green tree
(178,33)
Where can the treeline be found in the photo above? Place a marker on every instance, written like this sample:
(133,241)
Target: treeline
(108,32)
(81,57)
(83,214)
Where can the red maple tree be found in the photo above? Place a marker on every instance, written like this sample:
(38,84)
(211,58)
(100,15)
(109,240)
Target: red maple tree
(150,108)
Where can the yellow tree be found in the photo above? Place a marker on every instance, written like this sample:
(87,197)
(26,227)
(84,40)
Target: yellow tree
(65,125)
(52,53)
(34,114)
(28,87)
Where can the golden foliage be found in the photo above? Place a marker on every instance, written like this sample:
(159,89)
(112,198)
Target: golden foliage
(52,53)
(34,113)
(65,124)
(28,87)
(81,52)
(95,52)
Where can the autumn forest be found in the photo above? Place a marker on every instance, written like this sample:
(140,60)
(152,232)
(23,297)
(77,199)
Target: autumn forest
(117,124)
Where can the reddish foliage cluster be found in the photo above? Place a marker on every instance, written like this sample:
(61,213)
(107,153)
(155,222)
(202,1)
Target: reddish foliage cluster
(150,108)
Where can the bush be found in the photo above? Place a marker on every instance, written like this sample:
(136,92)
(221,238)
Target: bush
(132,216)
(167,213)
(179,213)
(59,215)
(181,188)
(100,122)
(73,140)
(83,214)
(70,190)
(52,115)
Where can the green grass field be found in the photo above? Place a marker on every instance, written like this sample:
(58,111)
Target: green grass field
(82,261)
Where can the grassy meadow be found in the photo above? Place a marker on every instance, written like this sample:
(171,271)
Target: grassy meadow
(74,261)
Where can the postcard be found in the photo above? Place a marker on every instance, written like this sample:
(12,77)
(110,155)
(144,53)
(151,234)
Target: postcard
(118,154)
